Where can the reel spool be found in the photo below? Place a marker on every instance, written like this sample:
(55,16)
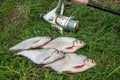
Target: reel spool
(68,23)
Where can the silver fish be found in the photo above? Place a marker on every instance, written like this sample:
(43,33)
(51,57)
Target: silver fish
(72,63)
(31,43)
(65,44)
(41,56)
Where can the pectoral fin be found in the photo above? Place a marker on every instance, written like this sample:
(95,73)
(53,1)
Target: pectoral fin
(79,66)
(47,59)
(69,48)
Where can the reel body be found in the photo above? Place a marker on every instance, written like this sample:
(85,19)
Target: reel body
(60,22)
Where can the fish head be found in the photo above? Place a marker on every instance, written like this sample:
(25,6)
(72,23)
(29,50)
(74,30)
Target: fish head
(55,55)
(90,63)
(79,44)
(87,64)
(76,44)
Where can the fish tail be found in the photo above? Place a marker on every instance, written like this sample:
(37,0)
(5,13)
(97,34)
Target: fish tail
(50,69)
(14,49)
(46,66)
(11,56)
(42,46)
(42,65)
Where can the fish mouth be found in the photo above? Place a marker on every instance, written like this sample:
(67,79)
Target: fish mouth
(79,43)
(84,44)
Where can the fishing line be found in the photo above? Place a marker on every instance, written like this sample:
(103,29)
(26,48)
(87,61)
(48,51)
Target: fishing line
(75,12)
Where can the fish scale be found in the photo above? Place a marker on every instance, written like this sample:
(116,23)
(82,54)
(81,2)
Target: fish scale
(72,63)
(76,59)
(60,41)
(30,43)
(52,53)
(65,44)
(42,56)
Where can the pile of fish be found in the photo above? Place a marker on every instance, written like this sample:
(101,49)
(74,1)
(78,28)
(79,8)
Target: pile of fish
(57,54)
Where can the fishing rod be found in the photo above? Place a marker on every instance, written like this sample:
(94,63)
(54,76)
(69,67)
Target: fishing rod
(68,23)
(87,3)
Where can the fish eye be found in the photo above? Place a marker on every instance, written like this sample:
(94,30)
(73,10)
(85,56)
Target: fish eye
(93,61)
(81,42)
(58,52)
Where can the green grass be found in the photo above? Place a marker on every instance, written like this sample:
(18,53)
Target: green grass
(19,20)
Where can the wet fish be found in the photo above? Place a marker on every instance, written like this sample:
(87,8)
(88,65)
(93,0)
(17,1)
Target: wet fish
(41,56)
(72,63)
(30,43)
(65,44)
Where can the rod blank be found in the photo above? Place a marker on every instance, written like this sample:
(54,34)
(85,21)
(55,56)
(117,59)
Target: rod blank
(103,8)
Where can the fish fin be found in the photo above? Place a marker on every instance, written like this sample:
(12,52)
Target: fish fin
(41,65)
(11,56)
(51,69)
(47,58)
(79,66)
(69,48)
(14,48)
(67,71)
(48,67)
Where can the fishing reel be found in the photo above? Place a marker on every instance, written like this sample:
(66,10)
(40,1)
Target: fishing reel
(60,22)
